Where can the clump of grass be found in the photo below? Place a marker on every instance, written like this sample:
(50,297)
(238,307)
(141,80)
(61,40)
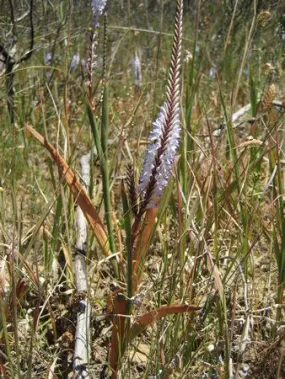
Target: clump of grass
(203,223)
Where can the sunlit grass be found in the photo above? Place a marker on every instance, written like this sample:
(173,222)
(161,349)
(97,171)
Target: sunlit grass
(218,237)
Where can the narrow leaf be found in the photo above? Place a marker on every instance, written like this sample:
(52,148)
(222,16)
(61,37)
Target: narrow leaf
(118,332)
(142,243)
(213,269)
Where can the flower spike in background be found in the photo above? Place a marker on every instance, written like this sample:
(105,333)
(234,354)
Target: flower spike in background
(97,7)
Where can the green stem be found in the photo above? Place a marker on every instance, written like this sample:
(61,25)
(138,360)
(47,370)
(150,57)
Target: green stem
(106,185)
(128,229)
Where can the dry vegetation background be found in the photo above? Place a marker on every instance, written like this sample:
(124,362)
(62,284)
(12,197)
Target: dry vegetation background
(218,241)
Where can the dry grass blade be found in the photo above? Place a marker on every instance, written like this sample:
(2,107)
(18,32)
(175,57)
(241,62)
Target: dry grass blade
(213,269)
(30,272)
(22,287)
(79,193)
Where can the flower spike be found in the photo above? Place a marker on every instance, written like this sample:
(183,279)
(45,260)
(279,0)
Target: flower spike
(164,137)
(97,7)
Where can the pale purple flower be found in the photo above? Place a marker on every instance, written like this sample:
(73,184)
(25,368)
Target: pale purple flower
(246,71)
(47,57)
(98,6)
(170,140)
(74,62)
(83,65)
(137,71)
(164,137)
(2,65)
(212,72)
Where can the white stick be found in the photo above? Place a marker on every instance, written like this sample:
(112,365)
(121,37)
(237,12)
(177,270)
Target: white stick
(240,113)
(82,336)
(237,115)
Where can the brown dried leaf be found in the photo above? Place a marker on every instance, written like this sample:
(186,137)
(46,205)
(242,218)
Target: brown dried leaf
(143,321)
(148,318)
(79,193)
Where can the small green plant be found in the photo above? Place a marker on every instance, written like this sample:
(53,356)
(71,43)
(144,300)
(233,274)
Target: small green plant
(143,202)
